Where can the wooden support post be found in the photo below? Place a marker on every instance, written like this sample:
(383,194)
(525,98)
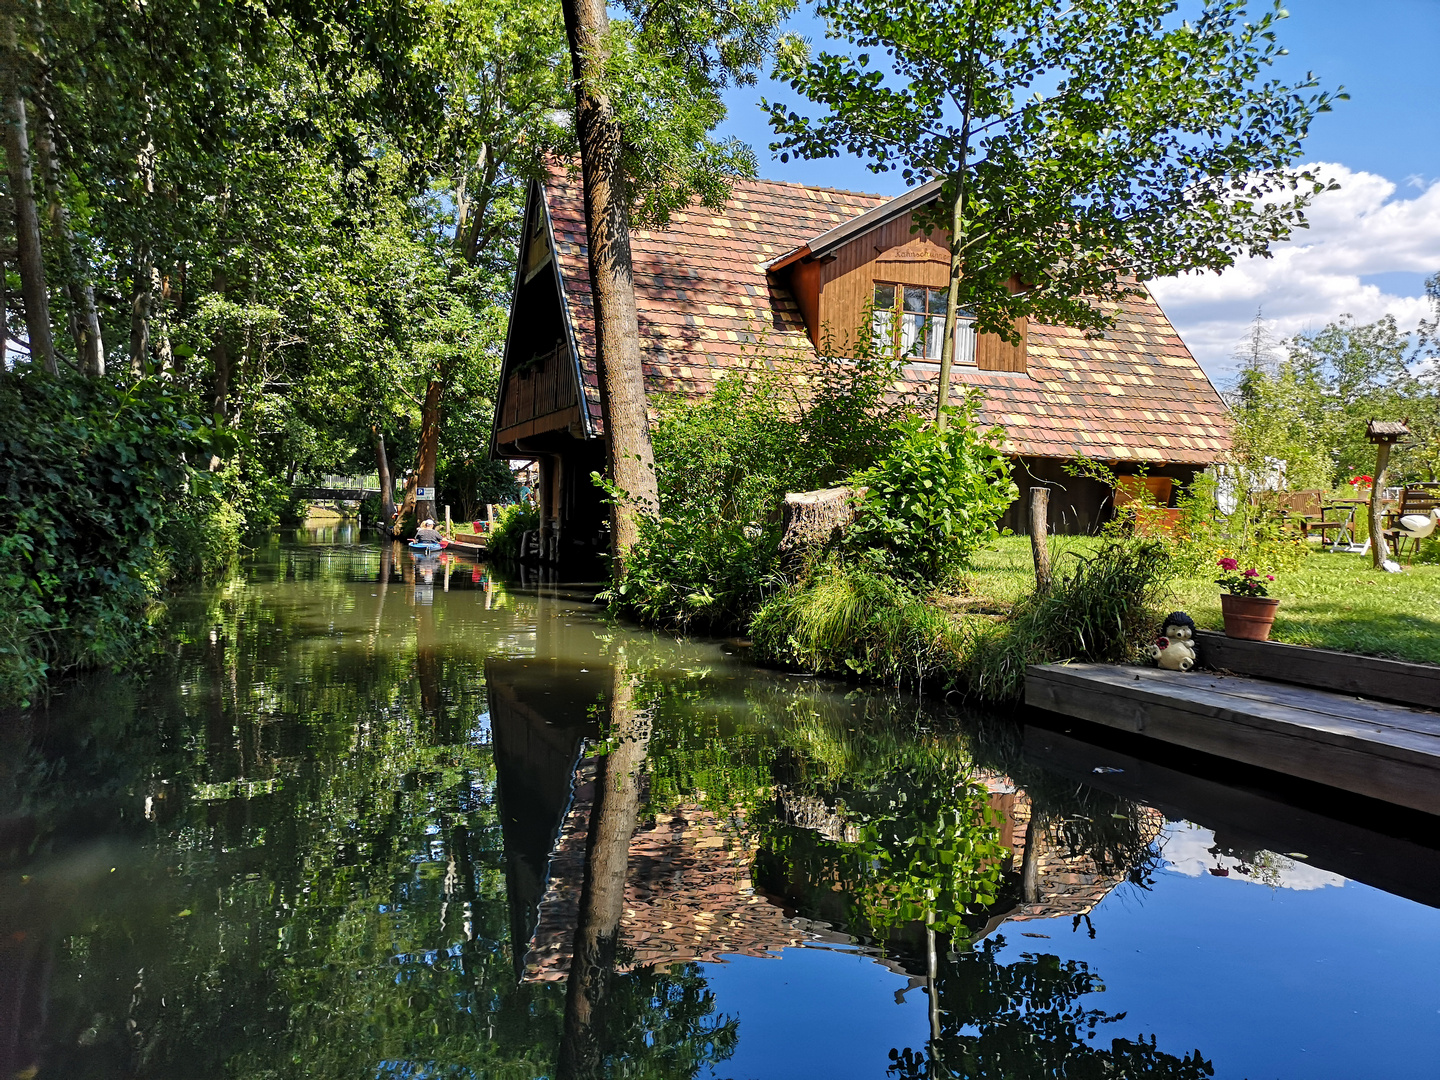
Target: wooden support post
(1378,552)
(449,529)
(1039,535)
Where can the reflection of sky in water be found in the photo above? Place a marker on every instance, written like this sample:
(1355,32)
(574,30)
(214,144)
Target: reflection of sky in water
(1300,981)
(1187,850)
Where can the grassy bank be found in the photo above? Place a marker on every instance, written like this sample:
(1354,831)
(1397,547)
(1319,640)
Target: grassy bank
(1330,601)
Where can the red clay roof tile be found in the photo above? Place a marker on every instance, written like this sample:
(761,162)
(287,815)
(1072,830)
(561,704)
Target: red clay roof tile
(704,298)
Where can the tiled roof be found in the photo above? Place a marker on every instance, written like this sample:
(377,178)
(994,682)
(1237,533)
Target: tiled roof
(703,296)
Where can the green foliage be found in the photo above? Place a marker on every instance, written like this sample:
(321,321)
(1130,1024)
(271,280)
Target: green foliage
(1100,608)
(935,497)
(511,523)
(773,425)
(101,505)
(471,483)
(696,574)
(724,462)
(852,621)
(1083,147)
(1308,410)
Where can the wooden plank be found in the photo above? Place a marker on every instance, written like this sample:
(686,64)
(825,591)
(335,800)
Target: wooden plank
(1366,849)
(1324,669)
(1389,763)
(1387,727)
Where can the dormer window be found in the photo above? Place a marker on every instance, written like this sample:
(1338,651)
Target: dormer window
(910,319)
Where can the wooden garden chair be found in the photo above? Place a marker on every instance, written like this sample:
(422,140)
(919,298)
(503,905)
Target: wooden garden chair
(1419,499)
(1307,510)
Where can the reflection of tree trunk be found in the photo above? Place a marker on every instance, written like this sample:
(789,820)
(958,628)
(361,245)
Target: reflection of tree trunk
(26,960)
(602,900)
(1034,848)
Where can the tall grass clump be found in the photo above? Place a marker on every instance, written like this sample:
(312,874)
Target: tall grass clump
(846,620)
(1100,608)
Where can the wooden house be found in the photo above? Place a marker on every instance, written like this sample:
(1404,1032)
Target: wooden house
(794,264)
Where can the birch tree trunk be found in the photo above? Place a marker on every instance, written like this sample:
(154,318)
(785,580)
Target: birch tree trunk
(952,302)
(84,318)
(382,467)
(612,280)
(29,259)
(142,287)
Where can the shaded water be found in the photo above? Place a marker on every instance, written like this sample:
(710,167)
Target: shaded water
(368,811)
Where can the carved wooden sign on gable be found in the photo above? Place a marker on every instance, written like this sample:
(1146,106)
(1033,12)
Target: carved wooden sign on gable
(918,249)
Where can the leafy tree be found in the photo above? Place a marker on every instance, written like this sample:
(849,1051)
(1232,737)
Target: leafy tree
(647,93)
(1083,147)
(1311,409)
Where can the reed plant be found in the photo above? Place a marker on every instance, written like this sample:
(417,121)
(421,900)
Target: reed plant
(1101,607)
(852,621)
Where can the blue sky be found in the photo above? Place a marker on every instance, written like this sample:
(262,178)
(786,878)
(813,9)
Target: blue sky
(1371,244)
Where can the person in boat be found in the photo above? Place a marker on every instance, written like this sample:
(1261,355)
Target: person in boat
(427,533)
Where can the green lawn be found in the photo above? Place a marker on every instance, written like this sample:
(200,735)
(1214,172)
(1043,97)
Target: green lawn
(1332,601)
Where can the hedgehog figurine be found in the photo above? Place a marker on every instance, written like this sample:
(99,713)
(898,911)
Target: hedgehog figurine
(1174,650)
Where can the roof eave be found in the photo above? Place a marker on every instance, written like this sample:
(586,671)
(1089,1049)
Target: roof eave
(856,226)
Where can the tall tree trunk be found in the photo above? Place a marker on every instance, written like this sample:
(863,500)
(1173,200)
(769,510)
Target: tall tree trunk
(220,354)
(602,897)
(472,211)
(143,285)
(29,258)
(612,280)
(84,318)
(387,485)
(952,303)
(424,473)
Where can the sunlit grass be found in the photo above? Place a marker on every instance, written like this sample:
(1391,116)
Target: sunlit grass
(1332,601)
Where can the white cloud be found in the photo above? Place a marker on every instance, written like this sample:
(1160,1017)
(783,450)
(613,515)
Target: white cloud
(1362,230)
(1187,848)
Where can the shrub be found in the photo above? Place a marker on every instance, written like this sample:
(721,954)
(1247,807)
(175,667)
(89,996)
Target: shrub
(775,425)
(853,621)
(511,523)
(935,497)
(97,486)
(1100,609)
(699,575)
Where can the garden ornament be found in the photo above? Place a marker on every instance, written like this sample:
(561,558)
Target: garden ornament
(1174,650)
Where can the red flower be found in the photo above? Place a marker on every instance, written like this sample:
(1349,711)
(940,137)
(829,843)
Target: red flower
(1252,572)
(1229,564)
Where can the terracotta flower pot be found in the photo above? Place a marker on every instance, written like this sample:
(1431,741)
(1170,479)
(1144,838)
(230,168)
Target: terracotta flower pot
(1248,617)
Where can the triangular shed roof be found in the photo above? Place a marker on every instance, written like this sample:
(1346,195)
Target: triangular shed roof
(707,284)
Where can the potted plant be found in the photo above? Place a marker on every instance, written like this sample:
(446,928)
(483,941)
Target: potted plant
(1248,607)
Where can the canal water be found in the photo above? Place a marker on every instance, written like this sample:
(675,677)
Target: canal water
(377,816)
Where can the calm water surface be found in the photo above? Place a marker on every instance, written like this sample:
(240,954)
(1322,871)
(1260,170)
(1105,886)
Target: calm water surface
(379,817)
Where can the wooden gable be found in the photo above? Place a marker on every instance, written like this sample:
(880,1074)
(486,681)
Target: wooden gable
(835,290)
(539,377)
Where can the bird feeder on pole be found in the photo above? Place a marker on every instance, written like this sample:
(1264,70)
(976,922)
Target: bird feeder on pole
(1384,434)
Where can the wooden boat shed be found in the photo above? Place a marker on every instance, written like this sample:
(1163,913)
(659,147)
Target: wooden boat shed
(792,264)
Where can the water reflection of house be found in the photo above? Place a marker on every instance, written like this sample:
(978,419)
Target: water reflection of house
(690,894)
(1068,883)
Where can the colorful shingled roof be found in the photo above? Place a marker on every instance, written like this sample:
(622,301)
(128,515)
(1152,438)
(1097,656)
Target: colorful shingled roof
(704,298)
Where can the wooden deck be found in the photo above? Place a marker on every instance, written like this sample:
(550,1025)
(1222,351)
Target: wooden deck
(1385,751)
